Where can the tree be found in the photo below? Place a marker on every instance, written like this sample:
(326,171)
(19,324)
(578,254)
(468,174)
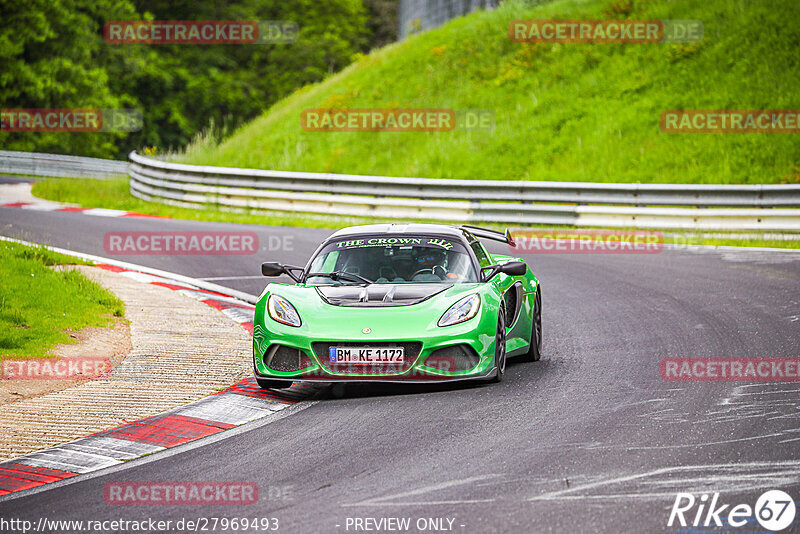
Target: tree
(54,56)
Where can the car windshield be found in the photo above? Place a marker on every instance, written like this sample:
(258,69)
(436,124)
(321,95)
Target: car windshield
(391,259)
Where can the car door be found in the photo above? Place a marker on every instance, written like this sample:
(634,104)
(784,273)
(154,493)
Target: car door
(513,291)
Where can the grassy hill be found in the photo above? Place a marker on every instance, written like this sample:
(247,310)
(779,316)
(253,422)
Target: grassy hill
(584,112)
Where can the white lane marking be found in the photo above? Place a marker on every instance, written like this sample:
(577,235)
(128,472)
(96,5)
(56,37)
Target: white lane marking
(741,477)
(768,392)
(201,295)
(687,445)
(240,315)
(636,403)
(144,277)
(556,494)
(104,212)
(43,206)
(63,458)
(119,449)
(381,501)
(763,401)
(247,277)
(230,408)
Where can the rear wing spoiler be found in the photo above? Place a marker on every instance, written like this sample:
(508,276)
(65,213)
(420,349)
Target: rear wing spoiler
(494,235)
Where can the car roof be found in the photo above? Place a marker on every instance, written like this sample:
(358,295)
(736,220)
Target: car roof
(412,228)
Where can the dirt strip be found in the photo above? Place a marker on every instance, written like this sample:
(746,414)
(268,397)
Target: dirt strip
(182,350)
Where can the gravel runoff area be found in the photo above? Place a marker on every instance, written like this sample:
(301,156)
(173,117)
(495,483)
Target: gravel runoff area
(180,350)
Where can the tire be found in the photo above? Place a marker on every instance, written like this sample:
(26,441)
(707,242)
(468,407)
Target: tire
(535,348)
(500,346)
(265,383)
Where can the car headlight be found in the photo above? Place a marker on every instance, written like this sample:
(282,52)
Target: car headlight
(461,311)
(283,312)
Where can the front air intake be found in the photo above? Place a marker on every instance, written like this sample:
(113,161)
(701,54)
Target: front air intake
(454,358)
(286,359)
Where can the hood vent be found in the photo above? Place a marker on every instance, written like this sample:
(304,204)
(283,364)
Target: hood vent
(376,295)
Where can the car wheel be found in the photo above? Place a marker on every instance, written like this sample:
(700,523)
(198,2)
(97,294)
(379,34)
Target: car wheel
(535,349)
(265,383)
(500,346)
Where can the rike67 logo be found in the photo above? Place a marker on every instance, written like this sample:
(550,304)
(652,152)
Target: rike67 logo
(774,510)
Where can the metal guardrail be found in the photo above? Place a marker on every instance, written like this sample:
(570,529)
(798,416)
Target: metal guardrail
(480,201)
(37,164)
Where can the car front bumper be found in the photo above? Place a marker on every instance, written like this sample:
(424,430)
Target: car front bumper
(458,352)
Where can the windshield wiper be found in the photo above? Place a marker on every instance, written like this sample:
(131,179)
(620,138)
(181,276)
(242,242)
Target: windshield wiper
(338,275)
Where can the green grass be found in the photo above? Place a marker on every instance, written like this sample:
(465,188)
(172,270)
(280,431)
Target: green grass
(37,303)
(567,112)
(114,194)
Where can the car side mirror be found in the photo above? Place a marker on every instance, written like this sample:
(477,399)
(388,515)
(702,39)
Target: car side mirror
(511,268)
(514,268)
(273,268)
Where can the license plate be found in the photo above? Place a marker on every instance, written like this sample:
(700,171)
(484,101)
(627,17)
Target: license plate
(366,355)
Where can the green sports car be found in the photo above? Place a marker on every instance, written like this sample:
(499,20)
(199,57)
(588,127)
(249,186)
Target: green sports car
(388,302)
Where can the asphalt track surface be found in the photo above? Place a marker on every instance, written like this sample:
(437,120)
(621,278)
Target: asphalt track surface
(589,439)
